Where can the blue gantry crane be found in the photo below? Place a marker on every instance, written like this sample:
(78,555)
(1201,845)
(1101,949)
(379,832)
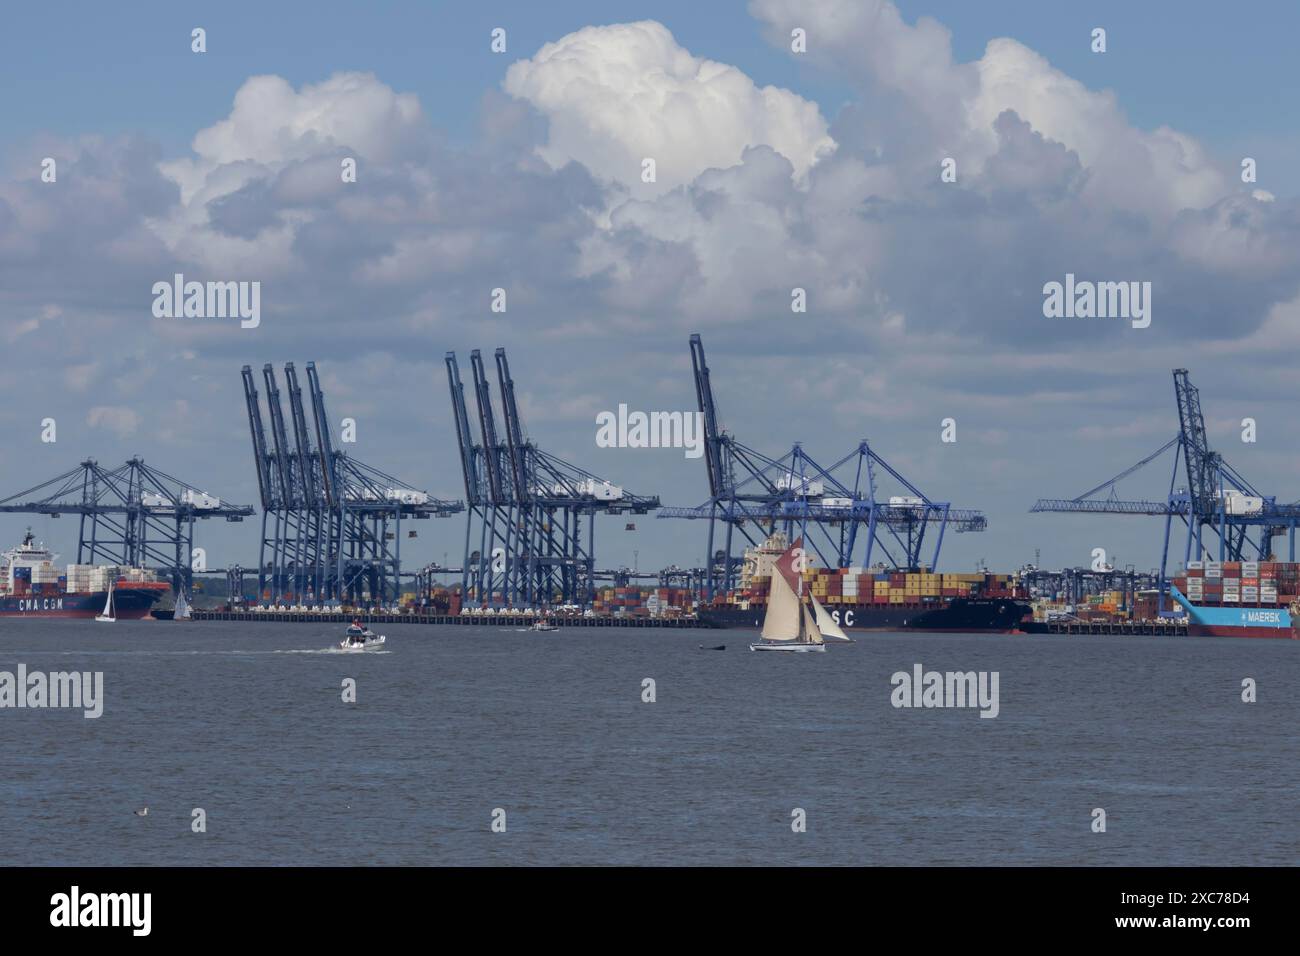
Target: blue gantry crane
(331,525)
(530,528)
(133,515)
(1217,505)
(833,508)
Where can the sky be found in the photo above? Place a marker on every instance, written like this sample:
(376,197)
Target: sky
(775,170)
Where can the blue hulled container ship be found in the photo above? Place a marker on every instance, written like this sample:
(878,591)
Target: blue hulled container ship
(1225,621)
(31,585)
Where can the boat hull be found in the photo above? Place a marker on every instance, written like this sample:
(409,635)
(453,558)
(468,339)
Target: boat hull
(129,603)
(960,615)
(1211,630)
(793,647)
(371,644)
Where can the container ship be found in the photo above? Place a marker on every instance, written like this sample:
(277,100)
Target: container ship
(1239,598)
(32,585)
(878,599)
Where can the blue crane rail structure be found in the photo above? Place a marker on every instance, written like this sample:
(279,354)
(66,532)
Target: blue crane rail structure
(134,515)
(531,517)
(1213,500)
(796,494)
(331,525)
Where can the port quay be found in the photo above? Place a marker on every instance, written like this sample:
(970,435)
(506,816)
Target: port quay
(332,528)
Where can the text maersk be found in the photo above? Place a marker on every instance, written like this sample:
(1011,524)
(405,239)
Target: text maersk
(1263,617)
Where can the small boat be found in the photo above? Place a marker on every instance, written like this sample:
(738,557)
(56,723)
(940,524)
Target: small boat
(107,616)
(720,647)
(182,612)
(361,638)
(543,626)
(789,624)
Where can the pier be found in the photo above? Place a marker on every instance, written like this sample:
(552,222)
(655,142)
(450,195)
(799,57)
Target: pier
(468,620)
(1130,628)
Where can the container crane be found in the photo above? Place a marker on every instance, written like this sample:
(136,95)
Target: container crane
(748,492)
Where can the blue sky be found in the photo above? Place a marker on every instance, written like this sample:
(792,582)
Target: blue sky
(924,299)
(1221,73)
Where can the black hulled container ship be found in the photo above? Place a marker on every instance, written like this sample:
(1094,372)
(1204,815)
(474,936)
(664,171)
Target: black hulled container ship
(32,585)
(879,599)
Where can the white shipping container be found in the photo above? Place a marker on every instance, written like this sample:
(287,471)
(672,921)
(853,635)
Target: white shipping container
(590,487)
(1214,572)
(1235,503)
(200,499)
(801,486)
(900,500)
(1195,565)
(1231,598)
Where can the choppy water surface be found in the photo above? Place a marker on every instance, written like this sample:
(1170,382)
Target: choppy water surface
(247,722)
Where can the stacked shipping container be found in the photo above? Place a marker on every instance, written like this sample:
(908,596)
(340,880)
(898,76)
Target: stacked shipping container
(1252,583)
(643,602)
(858,586)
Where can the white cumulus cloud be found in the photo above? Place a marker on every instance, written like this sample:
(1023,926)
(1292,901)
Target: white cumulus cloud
(615,95)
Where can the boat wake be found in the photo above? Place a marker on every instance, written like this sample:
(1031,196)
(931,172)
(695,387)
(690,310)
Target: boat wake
(370,652)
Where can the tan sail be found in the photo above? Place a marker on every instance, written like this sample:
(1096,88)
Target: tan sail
(781,622)
(826,624)
(811,634)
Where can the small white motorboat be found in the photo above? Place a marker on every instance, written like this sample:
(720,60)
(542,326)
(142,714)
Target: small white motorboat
(543,626)
(361,638)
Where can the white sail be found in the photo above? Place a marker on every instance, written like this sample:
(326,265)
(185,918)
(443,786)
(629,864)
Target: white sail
(781,623)
(182,612)
(811,634)
(107,615)
(826,624)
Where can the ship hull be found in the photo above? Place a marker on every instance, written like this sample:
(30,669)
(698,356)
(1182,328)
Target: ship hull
(1206,620)
(1212,630)
(128,604)
(961,615)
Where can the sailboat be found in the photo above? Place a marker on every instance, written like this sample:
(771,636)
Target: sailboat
(107,615)
(789,624)
(182,612)
(826,624)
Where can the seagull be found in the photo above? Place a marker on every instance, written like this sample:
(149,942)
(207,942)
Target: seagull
(142,812)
